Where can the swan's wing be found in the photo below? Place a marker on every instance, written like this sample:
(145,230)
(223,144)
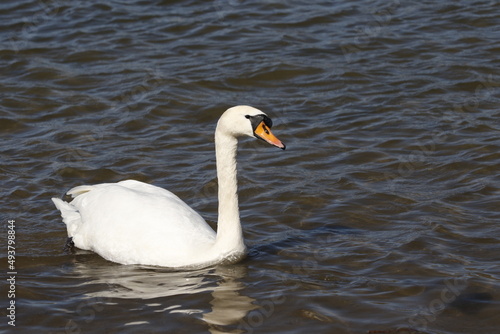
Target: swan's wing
(134,222)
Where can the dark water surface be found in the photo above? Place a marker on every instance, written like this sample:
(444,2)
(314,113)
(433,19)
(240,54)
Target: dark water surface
(380,217)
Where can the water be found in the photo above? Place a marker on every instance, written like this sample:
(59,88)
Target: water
(380,217)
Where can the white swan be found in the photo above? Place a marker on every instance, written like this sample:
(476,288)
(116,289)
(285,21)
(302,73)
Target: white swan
(131,222)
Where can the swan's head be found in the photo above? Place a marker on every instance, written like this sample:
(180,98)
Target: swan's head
(248,121)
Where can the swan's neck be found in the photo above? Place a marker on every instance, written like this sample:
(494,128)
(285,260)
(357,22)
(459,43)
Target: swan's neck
(229,233)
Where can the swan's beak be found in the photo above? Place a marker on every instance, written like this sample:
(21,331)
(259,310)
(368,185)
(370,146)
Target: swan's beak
(262,131)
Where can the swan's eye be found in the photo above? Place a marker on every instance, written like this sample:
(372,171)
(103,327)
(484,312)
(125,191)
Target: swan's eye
(247,116)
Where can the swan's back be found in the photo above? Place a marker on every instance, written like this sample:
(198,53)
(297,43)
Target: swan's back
(133,222)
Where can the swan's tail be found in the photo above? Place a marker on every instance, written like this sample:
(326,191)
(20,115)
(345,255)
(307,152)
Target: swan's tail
(70,215)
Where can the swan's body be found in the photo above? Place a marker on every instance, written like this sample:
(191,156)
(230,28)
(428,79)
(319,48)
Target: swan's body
(131,222)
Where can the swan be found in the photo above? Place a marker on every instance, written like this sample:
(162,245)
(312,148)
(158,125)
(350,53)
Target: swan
(132,222)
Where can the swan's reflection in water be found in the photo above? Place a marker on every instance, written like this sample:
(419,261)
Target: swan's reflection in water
(228,305)
(155,286)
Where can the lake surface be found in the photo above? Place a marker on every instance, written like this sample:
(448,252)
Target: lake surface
(382,216)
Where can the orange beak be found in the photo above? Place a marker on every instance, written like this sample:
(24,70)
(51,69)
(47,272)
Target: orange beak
(262,131)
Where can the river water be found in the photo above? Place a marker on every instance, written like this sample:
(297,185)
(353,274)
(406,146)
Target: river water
(380,217)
